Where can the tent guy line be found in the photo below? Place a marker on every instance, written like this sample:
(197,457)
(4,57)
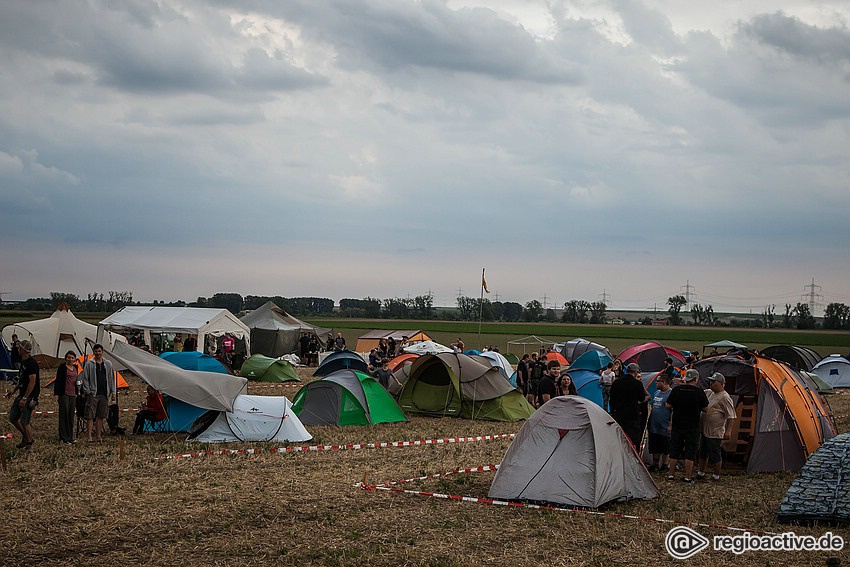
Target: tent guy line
(343,447)
(392,487)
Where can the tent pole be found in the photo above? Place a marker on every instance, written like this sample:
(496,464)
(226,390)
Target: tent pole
(481,309)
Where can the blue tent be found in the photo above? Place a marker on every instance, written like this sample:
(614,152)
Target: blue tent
(594,360)
(344,359)
(180,416)
(194,361)
(472,351)
(587,384)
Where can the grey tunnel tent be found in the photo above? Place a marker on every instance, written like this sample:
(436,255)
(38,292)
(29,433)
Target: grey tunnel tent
(274,332)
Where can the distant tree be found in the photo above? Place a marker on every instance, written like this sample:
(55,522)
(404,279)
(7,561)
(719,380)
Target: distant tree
(511,311)
(836,316)
(423,306)
(498,310)
(397,308)
(676,303)
(467,308)
(533,311)
(550,316)
(57,298)
(696,313)
(576,311)
(230,301)
(788,317)
(805,319)
(768,316)
(597,312)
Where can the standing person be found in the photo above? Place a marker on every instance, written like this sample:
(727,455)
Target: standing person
(178,343)
(382,348)
(383,374)
(339,342)
(228,344)
(329,345)
(546,389)
(659,425)
(190,344)
(536,370)
(618,368)
(374,358)
(65,390)
(99,388)
(391,346)
(152,410)
(605,380)
(15,352)
(627,397)
(313,351)
(522,374)
(714,425)
(687,402)
(28,388)
(304,346)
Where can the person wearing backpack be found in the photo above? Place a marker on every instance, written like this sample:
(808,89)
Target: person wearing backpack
(535,373)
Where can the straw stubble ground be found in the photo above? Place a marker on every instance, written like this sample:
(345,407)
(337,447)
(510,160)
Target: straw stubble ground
(83,505)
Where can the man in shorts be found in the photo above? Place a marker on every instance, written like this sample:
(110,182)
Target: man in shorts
(714,425)
(99,387)
(28,389)
(687,401)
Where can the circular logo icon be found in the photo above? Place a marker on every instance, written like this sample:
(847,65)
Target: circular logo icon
(683,542)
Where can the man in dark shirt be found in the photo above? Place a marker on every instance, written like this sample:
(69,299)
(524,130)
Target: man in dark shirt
(99,387)
(15,352)
(28,389)
(627,397)
(536,370)
(339,342)
(687,402)
(546,387)
(382,374)
(304,344)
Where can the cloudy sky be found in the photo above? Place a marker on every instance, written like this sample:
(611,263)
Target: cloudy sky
(347,148)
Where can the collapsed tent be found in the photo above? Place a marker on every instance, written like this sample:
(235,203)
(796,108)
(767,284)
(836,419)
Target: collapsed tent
(346,397)
(187,393)
(51,338)
(821,492)
(274,332)
(574,348)
(498,362)
(341,360)
(585,373)
(834,370)
(650,356)
(193,360)
(264,369)
(571,452)
(254,418)
(781,419)
(454,384)
(198,321)
(372,339)
(799,357)
(426,347)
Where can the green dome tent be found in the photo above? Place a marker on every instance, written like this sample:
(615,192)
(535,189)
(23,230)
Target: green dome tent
(454,384)
(345,397)
(264,369)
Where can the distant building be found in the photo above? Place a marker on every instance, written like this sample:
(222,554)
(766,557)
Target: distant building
(660,322)
(617,321)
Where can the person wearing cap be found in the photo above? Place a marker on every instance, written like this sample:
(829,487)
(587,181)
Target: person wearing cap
(627,397)
(687,401)
(714,426)
(28,388)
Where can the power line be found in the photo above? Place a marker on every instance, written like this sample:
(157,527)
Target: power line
(812,296)
(688,287)
(604,295)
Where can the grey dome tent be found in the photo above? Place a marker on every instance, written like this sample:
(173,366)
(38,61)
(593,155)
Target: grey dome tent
(274,332)
(576,347)
(571,452)
(341,360)
(798,357)
(821,492)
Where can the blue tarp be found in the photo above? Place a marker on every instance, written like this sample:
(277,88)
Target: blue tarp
(588,386)
(194,361)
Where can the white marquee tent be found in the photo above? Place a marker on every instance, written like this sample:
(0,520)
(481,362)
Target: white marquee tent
(198,321)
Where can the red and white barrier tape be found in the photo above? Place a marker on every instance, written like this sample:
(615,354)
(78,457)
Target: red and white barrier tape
(287,385)
(52,412)
(393,487)
(8,436)
(346,447)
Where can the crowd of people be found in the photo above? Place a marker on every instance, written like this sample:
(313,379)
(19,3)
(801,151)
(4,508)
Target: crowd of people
(682,421)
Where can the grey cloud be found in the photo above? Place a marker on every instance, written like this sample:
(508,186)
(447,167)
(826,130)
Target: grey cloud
(647,27)
(791,35)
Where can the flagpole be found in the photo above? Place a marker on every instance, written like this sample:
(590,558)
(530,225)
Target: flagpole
(481,308)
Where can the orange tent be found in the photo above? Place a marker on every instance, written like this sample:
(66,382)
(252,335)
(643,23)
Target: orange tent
(122,383)
(401,359)
(557,356)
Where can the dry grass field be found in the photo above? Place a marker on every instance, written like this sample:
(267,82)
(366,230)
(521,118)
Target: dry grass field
(83,505)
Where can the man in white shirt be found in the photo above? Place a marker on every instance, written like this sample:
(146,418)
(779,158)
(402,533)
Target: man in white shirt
(714,425)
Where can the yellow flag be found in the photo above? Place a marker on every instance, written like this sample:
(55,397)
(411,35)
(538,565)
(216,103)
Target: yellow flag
(484,282)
